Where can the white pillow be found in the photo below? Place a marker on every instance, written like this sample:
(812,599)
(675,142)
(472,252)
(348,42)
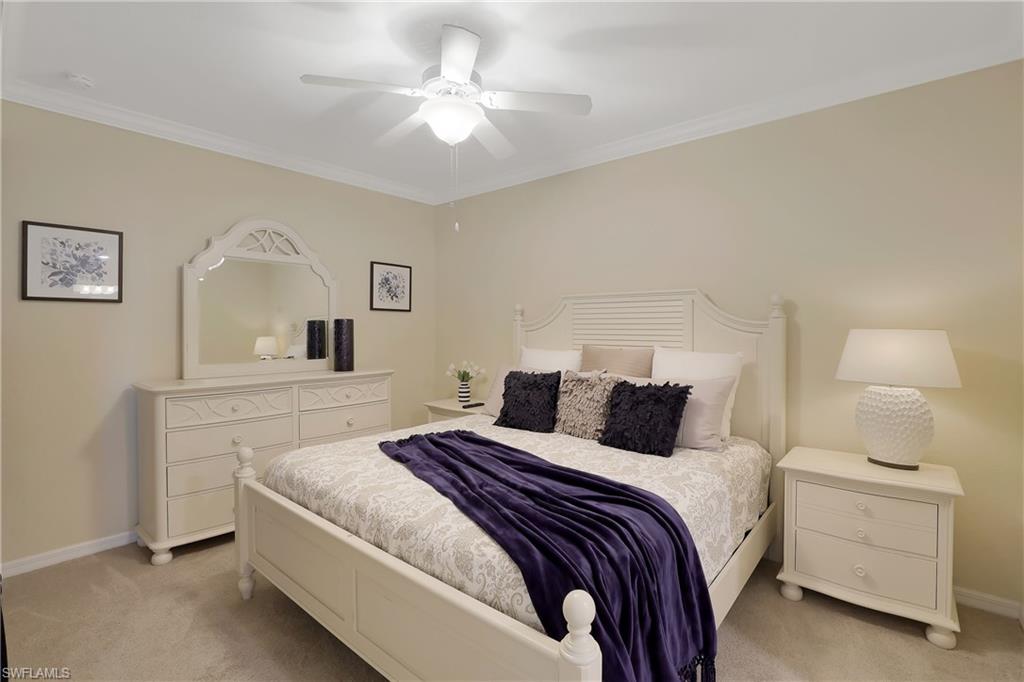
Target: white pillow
(551,360)
(670,364)
(701,428)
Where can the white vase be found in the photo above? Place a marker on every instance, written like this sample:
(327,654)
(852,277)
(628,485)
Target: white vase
(464,392)
(896,425)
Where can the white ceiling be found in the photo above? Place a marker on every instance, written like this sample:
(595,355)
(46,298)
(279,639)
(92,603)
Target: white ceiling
(226,75)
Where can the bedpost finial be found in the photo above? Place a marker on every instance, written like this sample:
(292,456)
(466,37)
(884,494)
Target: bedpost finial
(579,611)
(579,647)
(245,468)
(777,305)
(518,311)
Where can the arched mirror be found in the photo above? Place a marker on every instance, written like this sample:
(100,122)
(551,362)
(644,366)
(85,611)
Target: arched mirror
(247,301)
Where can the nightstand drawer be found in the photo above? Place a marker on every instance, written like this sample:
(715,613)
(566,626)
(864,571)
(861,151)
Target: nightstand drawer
(914,539)
(867,506)
(874,571)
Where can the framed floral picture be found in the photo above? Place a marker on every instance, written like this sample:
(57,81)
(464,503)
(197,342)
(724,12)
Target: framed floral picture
(390,287)
(66,263)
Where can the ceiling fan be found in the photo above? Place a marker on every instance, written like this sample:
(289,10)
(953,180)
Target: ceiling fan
(455,97)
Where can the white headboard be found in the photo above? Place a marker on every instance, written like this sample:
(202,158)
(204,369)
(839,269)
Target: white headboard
(684,319)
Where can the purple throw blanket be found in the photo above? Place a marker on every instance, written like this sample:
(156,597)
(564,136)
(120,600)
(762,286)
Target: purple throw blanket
(567,529)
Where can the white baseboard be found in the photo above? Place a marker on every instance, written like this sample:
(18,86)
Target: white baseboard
(988,602)
(57,556)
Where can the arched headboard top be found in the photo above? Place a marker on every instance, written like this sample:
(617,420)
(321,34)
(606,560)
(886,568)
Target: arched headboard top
(685,319)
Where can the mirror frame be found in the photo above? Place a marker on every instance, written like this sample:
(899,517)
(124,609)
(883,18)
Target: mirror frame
(252,239)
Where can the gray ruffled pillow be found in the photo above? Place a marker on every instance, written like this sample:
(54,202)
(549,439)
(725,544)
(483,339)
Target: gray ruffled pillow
(583,402)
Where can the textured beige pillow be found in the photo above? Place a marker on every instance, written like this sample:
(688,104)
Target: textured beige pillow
(583,402)
(630,362)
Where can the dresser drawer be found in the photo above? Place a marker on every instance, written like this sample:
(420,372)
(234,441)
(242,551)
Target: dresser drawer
(221,440)
(216,472)
(321,423)
(199,512)
(914,539)
(866,569)
(341,436)
(322,396)
(214,409)
(867,506)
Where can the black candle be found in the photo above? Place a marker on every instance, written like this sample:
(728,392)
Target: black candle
(344,343)
(316,339)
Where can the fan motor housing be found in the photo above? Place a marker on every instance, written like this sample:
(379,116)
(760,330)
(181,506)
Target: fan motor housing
(434,84)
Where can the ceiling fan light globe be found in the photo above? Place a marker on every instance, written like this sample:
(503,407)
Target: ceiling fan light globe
(451,118)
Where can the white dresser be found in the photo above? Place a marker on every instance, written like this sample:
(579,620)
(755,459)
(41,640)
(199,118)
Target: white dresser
(871,535)
(189,431)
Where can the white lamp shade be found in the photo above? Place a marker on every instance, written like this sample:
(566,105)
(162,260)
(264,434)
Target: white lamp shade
(899,357)
(265,345)
(451,118)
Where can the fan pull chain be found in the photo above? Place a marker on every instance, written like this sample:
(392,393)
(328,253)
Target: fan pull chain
(455,182)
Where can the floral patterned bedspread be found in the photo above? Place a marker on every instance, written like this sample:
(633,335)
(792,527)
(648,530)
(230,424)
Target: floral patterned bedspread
(719,495)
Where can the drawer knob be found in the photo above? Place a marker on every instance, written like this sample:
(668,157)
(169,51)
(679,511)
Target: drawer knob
(234,408)
(861,506)
(351,421)
(860,570)
(861,534)
(348,395)
(237,440)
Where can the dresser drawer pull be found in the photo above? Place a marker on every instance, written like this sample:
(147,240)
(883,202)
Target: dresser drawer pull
(351,421)
(235,407)
(861,534)
(860,570)
(861,506)
(237,440)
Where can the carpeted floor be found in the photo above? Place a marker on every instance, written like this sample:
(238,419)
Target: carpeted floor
(113,616)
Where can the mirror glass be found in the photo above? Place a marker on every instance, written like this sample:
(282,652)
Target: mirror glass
(241,301)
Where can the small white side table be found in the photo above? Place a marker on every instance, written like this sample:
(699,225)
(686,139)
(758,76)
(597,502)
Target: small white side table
(449,408)
(871,535)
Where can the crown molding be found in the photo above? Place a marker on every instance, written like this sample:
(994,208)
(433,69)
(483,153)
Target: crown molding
(840,92)
(89,109)
(774,109)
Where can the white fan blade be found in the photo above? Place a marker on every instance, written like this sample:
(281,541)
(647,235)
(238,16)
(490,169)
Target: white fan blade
(405,127)
(493,140)
(537,101)
(311,79)
(458,53)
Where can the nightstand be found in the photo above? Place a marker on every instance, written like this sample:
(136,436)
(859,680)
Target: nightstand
(449,408)
(873,536)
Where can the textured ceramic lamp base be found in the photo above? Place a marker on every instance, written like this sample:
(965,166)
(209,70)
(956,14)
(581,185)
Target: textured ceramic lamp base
(896,424)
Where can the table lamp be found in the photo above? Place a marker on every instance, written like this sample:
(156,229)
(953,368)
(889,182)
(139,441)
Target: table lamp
(266,347)
(892,416)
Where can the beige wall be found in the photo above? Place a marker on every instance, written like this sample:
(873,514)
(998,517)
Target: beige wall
(902,210)
(68,428)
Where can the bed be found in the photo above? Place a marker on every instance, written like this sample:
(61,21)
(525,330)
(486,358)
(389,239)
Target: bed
(414,587)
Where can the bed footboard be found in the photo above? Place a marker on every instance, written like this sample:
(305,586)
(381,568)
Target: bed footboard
(403,622)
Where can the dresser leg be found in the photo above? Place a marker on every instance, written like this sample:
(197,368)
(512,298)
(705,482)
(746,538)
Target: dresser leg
(791,591)
(940,637)
(161,557)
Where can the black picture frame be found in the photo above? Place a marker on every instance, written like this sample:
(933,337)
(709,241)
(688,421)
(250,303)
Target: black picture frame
(26,296)
(373,280)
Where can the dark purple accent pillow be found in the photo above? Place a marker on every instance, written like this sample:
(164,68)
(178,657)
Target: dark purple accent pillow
(645,418)
(531,401)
